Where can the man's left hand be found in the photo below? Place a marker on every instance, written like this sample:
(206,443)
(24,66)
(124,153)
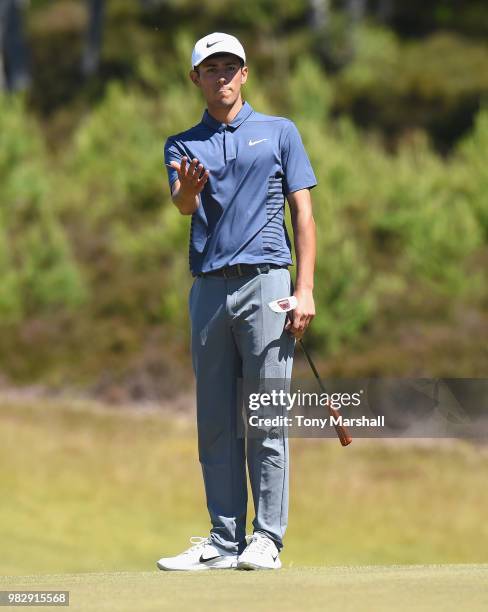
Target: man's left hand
(300,318)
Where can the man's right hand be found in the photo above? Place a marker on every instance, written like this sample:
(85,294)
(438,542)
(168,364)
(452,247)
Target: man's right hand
(192,177)
(190,182)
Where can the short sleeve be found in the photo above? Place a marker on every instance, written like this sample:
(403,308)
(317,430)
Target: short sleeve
(171,153)
(295,162)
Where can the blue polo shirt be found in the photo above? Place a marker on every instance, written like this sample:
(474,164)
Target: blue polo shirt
(254,162)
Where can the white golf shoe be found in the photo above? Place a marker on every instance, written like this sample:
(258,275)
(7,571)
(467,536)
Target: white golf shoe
(260,553)
(203,555)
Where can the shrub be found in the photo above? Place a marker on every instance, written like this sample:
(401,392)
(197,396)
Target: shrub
(38,268)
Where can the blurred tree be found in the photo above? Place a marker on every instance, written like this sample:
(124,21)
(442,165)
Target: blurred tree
(384,10)
(356,10)
(14,68)
(151,4)
(421,17)
(319,14)
(319,21)
(94,34)
(335,29)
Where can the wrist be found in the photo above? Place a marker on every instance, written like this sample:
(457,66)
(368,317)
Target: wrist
(186,204)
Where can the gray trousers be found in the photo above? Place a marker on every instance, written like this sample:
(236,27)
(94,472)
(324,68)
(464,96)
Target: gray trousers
(235,335)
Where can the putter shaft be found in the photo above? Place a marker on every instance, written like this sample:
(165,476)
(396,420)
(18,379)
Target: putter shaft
(341,431)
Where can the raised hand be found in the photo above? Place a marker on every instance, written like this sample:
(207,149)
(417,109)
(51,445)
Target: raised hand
(192,176)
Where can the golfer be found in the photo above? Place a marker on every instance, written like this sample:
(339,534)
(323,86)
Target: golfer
(231,172)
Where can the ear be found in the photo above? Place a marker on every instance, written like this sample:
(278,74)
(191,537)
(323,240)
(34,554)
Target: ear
(195,77)
(244,73)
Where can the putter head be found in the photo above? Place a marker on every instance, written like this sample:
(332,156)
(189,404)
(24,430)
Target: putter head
(284,304)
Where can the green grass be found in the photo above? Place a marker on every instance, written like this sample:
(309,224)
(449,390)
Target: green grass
(89,489)
(400,588)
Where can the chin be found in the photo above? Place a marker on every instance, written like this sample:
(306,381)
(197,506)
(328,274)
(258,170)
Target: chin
(227,101)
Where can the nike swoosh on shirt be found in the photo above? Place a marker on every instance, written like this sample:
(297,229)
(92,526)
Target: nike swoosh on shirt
(202,560)
(255,142)
(212,44)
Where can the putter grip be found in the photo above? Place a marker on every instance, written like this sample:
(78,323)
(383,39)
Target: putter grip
(344,437)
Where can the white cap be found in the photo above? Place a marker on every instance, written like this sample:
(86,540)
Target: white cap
(218,42)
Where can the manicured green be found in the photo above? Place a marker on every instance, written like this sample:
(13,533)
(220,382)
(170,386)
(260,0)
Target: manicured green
(86,488)
(428,588)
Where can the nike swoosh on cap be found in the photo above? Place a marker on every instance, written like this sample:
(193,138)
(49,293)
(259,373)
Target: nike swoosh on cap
(212,44)
(202,560)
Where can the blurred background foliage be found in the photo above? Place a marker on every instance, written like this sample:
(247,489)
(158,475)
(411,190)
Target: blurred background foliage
(390,99)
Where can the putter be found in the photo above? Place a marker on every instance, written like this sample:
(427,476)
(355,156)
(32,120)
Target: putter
(287,304)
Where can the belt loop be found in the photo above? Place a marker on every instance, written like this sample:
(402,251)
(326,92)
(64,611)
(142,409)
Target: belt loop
(239,269)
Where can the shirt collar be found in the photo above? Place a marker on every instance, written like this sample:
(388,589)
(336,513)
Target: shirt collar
(241,116)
